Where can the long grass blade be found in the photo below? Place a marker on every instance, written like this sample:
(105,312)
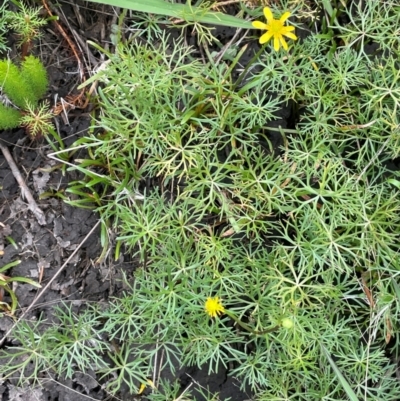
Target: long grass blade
(346,386)
(184,11)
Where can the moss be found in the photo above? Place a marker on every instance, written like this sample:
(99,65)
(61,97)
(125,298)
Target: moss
(9,117)
(26,84)
(35,74)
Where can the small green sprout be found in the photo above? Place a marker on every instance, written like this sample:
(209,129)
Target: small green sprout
(5,282)
(37,120)
(26,22)
(24,87)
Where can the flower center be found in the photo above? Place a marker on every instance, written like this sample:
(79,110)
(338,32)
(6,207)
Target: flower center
(275,26)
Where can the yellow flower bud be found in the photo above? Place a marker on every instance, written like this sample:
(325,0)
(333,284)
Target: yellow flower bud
(287,323)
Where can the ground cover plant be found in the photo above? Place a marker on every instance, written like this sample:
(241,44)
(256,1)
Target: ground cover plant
(268,246)
(23,83)
(24,87)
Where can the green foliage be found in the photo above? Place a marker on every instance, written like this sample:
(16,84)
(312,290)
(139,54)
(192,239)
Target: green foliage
(187,11)
(15,85)
(34,72)
(9,117)
(298,240)
(62,346)
(26,22)
(25,86)
(74,343)
(5,282)
(29,357)
(37,120)
(3,27)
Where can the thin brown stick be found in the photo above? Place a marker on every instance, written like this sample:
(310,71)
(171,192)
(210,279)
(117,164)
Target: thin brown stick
(30,307)
(25,192)
(78,99)
(69,41)
(224,3)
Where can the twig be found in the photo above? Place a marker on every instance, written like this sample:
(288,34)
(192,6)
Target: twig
(30,307)
(224,3)
(78,99)
(69,41)
(220,55)
(25,192)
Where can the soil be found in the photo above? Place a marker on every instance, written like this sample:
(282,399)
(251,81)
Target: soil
(45,250)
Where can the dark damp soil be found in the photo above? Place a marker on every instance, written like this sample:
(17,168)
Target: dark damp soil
(45,250)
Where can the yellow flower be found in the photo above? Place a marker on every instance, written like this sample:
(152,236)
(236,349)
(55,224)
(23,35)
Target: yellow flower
(275,29)
(213,307)
(143,386)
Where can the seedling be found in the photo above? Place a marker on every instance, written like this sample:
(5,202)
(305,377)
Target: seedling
(24,86)
(25,22)
(5,282)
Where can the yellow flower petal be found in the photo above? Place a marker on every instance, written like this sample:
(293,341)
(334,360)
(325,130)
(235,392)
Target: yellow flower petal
(285,16)
(283,43)
(268,14)
(265,38)
(150,382)
(276,43)
(276,29)
(142,388)
(289,28)
(213,307)
(259,25)
(290,35)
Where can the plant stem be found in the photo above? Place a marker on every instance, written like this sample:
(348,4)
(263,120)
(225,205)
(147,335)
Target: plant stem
(248,328)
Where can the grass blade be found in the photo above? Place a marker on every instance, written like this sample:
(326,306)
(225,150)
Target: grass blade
(184,11)
(349,391)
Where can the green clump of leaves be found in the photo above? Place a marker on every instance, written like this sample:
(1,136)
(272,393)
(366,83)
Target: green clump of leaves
(16,82)
(33,71)
(276,234)
(24,87)
(297,239)
(26,84)
(25,21)
(3,27)
(9,117)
